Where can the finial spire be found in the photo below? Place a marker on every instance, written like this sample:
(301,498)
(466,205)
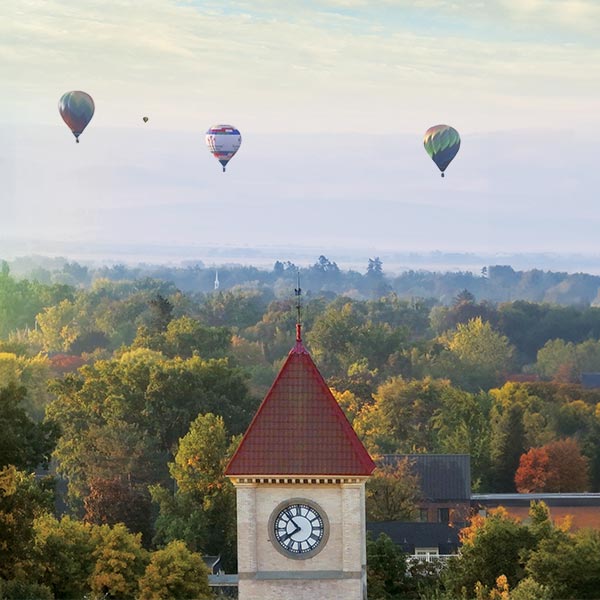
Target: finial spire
(298,292)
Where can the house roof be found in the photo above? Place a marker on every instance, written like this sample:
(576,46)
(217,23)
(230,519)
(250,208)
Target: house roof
(552,500)
(299,429)
(442,477)
(409,535)
(590,380)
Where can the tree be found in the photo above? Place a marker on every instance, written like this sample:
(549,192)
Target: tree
(234,308)
(557,356)
(375,267)
(393,493)
(464,308)
(492,546)
(186,336)
(120,561)
(532,473)
(22,499)
(462,423)
(161,313)
(63,555)
(23,443)
(117,500)
(32,372)
(557,467)
(24,589)
(198,470)
(121,420)
(386,569)
(399,420)
(175,572)
(566,361)
(568,565)
(58,327)
(506,446)
(483,354)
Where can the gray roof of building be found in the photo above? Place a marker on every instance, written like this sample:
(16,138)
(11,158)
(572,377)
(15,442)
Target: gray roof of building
(443,477)
(590,380)
(493,500)
(409,535)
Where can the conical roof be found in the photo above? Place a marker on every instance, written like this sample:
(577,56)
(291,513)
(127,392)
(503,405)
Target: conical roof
(299,429)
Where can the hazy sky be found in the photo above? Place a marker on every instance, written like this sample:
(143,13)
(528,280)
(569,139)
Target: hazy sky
(332,98)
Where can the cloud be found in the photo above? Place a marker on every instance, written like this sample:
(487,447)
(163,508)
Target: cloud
(331,65)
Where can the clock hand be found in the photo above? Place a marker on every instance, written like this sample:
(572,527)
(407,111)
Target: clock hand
(291,518)
(289,535)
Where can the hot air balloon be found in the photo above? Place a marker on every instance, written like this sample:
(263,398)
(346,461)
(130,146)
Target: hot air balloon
(77,109)
(441,143)
(223,141)
(145,119)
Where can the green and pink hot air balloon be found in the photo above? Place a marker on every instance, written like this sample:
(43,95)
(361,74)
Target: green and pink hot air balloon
(77,109)
(441,143)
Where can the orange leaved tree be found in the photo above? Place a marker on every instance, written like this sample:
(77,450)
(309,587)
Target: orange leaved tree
(556,467)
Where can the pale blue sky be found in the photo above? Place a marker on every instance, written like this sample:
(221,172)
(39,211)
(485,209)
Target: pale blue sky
(518,78)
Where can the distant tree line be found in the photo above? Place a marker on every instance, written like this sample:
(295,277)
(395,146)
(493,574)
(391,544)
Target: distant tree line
(495,283)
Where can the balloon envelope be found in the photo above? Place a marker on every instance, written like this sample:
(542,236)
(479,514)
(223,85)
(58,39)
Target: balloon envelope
(223,141)
(145,119)
(441,143)
(77,109)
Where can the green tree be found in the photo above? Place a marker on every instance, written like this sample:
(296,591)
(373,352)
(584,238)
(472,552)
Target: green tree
(186,336)
(24,443)
(32,372)
(120,561)
(58,327)
(198,470)
(557,356)
(386,569)
(482,355)
(63,555)
(346,334)
(161,313)
(22,499)
(568,564)
(234,308)
(175,573)
(121,420)
(506,446)
(464,308)
(462,423)
(492,546)
(24,589)
(399,420)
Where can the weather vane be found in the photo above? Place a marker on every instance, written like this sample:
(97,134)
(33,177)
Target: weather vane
(298,293)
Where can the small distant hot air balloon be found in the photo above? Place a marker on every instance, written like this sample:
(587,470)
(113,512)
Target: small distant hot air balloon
(145,119)
(77,109)
(223,141)
(442,143)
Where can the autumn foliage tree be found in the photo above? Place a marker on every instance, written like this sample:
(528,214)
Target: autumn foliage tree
(556,467)
(393,493)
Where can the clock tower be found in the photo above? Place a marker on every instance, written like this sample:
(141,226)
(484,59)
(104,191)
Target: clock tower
(300,474)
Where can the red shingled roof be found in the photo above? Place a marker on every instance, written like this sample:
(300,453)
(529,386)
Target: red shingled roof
(300,429)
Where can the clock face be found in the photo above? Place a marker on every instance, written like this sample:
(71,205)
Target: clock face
(299,528)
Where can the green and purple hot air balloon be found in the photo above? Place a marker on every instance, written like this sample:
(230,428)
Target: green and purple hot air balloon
(441,143)
(77,109)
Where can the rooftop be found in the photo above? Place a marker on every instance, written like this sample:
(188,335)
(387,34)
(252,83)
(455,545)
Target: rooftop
(299,429)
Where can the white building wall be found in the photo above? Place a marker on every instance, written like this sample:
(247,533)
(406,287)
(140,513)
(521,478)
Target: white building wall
(338,571)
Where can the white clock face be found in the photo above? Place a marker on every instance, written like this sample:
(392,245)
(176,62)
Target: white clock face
(299,528)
